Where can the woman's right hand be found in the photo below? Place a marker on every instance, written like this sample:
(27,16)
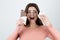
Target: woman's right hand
(20,26)
(17,31)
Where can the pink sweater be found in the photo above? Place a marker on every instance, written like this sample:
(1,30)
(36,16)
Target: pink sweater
(33,34)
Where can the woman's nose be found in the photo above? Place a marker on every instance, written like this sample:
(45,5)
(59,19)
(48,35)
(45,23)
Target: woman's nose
(32,14)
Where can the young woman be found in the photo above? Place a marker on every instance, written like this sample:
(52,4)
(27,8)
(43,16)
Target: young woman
(34,28)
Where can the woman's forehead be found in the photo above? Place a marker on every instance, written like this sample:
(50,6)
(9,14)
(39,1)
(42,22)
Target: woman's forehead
(32,9)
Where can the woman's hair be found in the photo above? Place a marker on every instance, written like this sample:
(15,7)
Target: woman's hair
(38,21)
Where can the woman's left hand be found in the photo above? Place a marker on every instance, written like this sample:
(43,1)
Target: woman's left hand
(45,20)
(52,32)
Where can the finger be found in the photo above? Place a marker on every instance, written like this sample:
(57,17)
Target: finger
(20,22)
(43,15)
(23,13)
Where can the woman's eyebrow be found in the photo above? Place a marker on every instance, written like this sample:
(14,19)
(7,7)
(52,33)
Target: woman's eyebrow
(34,10)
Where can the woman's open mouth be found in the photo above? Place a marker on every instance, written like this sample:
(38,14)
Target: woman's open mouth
(31,18)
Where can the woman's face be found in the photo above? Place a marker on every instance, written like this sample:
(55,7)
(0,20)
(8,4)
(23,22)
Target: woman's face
(32,14)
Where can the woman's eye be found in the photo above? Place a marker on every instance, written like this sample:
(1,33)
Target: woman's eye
(32,12)
(35,11)
(29,12)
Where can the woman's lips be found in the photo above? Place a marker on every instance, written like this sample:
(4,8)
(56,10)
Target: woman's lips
(31,18)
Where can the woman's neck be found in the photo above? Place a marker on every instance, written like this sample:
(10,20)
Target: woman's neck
(33,25)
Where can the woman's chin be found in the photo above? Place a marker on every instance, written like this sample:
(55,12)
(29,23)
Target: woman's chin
(32,20)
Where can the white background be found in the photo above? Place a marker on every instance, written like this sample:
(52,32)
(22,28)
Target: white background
(10,9)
